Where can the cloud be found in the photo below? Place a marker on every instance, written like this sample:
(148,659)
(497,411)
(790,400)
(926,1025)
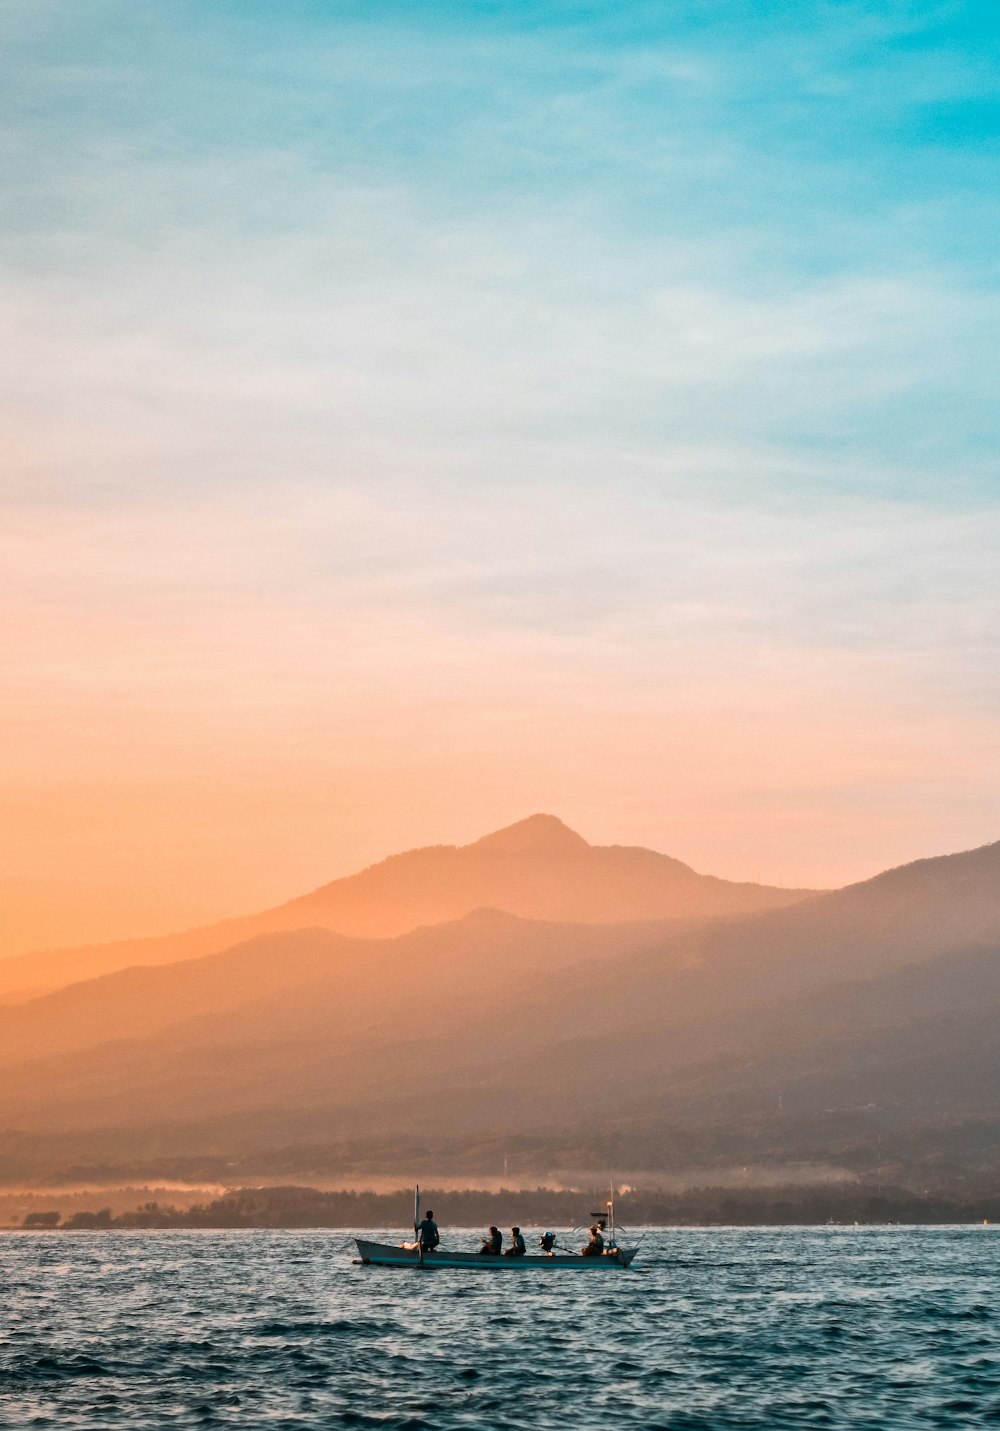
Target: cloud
(477,404)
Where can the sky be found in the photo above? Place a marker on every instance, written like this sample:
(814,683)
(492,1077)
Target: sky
(416,416)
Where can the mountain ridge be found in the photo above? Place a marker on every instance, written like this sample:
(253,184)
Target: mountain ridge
(494,1022)
(537,868)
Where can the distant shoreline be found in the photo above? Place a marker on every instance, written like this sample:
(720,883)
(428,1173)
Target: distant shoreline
(305,1208)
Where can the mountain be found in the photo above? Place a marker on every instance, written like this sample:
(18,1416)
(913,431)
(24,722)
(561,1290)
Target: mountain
(790,1033)
(285,1019)
(537,869)
(849,969)
(439,976)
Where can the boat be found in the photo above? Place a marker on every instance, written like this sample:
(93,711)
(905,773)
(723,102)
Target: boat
(383,1254)
(408,1254)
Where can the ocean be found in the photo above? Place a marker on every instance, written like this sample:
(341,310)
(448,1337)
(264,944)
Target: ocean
(891,1327)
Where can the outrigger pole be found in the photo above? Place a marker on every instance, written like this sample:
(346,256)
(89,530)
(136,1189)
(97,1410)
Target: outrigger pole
(607,1219)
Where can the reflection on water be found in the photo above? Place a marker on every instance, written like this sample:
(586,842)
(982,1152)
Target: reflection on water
(832,1327)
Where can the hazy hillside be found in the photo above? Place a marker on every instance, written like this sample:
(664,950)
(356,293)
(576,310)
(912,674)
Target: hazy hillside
(312,979)
(918,1042)
(795,1024)
(538,869)
(902,917)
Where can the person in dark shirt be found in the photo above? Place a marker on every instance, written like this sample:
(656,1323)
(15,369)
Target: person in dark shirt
(493,1244)
(517,1247)
(595,1247)
(546,1242)
(427,1233)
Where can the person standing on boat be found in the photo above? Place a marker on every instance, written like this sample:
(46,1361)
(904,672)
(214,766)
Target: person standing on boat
(427,1233)
(595,1247)
(517,1246)
(493,1244)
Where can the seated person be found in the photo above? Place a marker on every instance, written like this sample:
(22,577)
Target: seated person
(493,1244)
(595,1247)
(546,1242)
(427,1233)
(517,1246)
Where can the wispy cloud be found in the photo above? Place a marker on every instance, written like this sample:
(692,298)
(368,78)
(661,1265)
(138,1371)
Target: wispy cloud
(521,379)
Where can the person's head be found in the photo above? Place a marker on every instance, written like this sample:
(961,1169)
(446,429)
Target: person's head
(494,1229)
(428,1213)
(596,1227)
(515,1230)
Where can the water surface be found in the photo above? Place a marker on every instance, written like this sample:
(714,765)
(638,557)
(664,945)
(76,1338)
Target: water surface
(750,1328)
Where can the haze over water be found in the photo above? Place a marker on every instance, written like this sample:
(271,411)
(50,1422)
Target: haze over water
(711,1329)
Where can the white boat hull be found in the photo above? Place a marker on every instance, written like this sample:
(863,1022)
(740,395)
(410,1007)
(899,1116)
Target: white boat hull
(382,1254)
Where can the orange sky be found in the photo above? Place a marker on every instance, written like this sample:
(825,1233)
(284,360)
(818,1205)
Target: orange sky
(423,425)
(211,715)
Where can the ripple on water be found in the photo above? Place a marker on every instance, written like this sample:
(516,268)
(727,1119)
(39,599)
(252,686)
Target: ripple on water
(719,1329)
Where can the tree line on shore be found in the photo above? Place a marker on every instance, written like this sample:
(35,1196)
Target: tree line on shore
(301,1207)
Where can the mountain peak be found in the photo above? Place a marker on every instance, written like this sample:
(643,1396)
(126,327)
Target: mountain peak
(538,834)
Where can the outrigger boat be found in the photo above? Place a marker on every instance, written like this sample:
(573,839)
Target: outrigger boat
(408,1254)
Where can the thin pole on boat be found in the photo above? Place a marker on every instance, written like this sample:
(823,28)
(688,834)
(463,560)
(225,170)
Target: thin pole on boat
(611,1210)
(416,1223)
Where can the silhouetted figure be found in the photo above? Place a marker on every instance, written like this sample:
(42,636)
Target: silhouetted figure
(595,1247)
(517,1247)
(493,1244)
(427,1233)
(546,1242)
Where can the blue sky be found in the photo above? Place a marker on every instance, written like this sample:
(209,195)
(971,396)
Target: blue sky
(636,365)
(771,225)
